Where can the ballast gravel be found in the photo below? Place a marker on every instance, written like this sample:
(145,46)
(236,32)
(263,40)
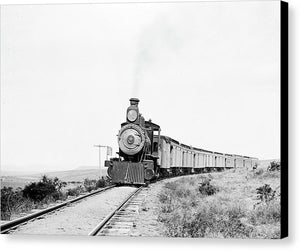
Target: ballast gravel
(78,218)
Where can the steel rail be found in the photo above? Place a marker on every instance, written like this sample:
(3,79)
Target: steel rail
(103,223)
(6,227)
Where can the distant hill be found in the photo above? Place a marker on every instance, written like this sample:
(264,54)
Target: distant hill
(77,175)
(20,179)
(88,167)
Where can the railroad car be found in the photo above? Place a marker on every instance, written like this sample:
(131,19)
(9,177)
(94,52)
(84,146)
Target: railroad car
(145,155)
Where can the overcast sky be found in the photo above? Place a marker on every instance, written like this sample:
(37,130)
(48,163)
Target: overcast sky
(208,73)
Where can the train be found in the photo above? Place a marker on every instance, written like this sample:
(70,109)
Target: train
(145,155)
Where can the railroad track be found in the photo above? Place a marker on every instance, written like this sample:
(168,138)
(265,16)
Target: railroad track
(121,220)
(12,225)
(119,217)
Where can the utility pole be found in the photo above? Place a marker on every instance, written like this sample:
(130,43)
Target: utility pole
(107,147)
(99,146)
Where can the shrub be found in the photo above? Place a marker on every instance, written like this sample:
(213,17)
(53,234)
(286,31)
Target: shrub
(205,188)
(274,166)
(89,185)
(13,202)
(6,194)
(74,191)
(46,187)
(265,193)
(255,166)
(34,195)
(102,182)
(259,171)
(38,191)
(267,210)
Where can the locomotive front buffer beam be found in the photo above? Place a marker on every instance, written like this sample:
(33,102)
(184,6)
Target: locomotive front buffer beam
(127,172)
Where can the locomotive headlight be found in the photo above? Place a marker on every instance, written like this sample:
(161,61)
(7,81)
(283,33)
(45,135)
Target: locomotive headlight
(132,115)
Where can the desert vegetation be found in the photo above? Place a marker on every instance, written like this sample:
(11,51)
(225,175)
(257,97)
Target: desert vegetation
(40,194)
(236,203)
(274,166)
(90,185)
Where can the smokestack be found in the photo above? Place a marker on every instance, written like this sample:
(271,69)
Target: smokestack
(134,101)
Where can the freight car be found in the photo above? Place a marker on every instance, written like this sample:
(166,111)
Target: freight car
(145,155)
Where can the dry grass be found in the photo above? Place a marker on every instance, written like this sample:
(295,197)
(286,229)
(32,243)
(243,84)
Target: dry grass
(233,212)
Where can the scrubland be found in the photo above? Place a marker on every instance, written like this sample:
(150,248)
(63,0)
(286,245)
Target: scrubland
(236,203)
(42,194)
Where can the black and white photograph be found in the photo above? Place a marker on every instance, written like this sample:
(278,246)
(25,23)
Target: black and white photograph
(150,119)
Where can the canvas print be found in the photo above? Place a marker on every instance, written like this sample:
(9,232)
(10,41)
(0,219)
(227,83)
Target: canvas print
(144,119)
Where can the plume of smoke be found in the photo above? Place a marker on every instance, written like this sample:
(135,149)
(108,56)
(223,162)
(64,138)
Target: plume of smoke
(154,40)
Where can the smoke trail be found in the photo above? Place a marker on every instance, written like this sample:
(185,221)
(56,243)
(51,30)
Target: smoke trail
(155,40)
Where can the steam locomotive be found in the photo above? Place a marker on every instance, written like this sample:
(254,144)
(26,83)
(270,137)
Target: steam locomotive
(145,155)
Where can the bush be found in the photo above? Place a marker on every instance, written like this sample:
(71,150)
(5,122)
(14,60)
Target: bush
(89,185)
(255,166)
(46,187)
(205,188)
(267,210)
(101,183)
(265,193)
(274,166)
(74,191)
(34,195)
(12,202)
(259,171)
